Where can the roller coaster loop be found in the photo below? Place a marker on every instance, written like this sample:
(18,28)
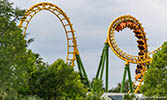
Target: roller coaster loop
(72,50)
(142,60)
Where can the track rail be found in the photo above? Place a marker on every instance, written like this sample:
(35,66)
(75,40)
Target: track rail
(143,59)
(128,22)
(63,18)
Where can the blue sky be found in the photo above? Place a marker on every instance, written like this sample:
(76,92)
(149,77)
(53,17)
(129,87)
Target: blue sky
(91,19)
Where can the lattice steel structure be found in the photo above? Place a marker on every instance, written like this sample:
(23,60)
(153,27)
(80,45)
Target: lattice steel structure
(142,60)
(72,50)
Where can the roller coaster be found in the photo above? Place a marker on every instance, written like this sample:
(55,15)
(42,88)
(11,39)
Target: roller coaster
(142,60)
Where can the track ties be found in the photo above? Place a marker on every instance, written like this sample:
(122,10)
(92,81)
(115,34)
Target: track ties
(67,24)
(71,38)
(65,18)
(70,31)
(71,46)
(71,52)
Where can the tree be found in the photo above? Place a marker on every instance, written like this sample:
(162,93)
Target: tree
(59,81)
(129,97)
(118,88)
(155,80)
(96,91)
(16,62)
(12,48)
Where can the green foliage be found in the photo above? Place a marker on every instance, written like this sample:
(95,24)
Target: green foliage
(96,91)
(97,87)
(155,80)
(12,50)
(9,13)
(118,87)
(59,81)
(16,63)
(129,97)
(32,64)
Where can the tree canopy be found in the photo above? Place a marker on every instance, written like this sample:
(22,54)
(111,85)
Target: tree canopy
(155,80)
(58,81)
(16,61)
(118,87)
(12,47)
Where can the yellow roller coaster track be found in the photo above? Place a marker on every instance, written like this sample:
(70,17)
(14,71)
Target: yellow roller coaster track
(143,59)
(64,19)
(132,23)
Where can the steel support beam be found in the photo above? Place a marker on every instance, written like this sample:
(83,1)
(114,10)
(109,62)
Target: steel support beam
(100,64)
(127,69)
(107,57)
(129,78)
(82,70)
(104,63)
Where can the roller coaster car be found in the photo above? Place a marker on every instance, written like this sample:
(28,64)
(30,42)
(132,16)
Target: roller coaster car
(138,76)
(139,36)
(137,31)
(134,26)
(121,26)
(141,53)
(143,67)
(139,66)
(144,64)
(118,28)
(140,42)
(129,24)
(137,71)
(141,47)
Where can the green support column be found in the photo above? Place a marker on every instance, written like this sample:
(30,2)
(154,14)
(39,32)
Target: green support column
(99,67)
(123,80)
(107,53)
(102,70)
(79,68)
(130,80)
(103,62)
(127,69)
(82,70)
